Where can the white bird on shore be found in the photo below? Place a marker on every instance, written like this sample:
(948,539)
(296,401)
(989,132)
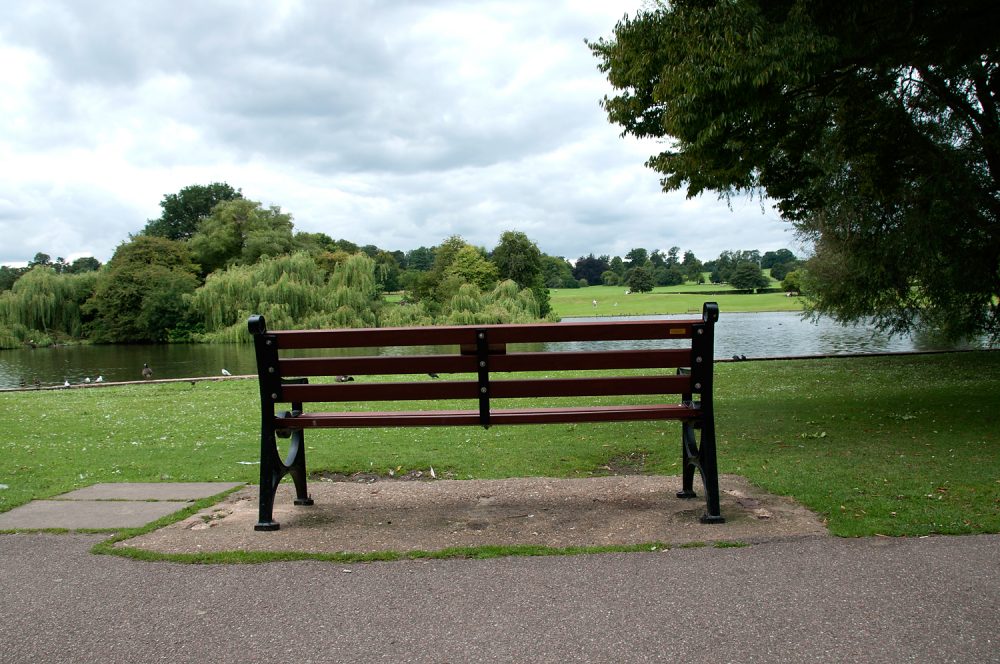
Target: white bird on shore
(65,383)
(87,379)
(225,372)
(99,379)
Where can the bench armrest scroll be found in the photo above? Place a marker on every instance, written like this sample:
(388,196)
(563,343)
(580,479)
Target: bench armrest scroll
(256,324)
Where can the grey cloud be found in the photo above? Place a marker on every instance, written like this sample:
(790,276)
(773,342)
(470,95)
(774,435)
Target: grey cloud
(392,123)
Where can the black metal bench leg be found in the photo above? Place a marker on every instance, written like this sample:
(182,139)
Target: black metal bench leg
(296,464)
(701,457)
(689,459)
(271,472)
(710,474)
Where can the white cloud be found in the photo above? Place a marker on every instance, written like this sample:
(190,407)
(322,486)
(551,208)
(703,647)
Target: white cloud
(395,124)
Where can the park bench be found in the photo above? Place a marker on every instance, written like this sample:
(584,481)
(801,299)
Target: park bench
(490,367)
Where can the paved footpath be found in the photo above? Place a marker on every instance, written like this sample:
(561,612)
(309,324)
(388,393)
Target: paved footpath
(809,599)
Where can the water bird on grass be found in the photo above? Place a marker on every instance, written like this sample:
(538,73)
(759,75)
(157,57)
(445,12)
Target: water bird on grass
(225,372)
(433,375)
(344,379)
(65,383)
(147,373)
(99,379)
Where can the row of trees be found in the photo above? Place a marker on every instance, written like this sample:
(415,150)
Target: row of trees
(642,270)
(214,257)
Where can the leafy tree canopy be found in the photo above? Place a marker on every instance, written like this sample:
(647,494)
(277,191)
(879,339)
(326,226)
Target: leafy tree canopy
(240,232)
(182,211)
(636,258)
(590,269)
(874,126)
(140,296)
(772,258)
(558,273)
(519,259)
(640,280)
(421,258)
(471,267)
(748,276)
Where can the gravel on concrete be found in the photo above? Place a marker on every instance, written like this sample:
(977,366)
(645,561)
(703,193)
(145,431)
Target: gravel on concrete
(368,516)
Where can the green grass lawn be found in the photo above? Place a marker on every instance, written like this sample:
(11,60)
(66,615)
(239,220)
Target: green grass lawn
(612,301)
(888,445)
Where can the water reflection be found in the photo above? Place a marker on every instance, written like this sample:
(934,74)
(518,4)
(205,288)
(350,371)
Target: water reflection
(781,334)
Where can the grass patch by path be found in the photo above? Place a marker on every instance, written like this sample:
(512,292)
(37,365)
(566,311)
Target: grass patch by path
(904,445)
(612,301)
(476,553)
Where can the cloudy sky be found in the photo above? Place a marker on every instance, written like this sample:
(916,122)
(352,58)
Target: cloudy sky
(389,123)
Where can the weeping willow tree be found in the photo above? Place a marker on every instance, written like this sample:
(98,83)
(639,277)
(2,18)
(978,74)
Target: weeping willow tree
(506,303)
(355,293)
(44,307)
(291,292)
(294,292)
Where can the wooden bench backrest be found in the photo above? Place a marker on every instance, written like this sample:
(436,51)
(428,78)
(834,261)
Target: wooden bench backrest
(483,350)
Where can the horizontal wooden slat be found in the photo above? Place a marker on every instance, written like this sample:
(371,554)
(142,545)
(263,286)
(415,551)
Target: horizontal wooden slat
(576,361)
(500,416)
(422,364)
(376,365)
(606,414)
(497,334)
(499,389)
(589,387)
(356,391)
(425,418)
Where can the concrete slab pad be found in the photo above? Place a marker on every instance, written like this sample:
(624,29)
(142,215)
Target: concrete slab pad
(398,515)
(149,491)
(74,514)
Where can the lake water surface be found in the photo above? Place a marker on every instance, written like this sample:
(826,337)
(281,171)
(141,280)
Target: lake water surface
(781,334)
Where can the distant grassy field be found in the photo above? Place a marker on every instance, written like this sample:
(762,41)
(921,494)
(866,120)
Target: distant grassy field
(612,301)
(883,445)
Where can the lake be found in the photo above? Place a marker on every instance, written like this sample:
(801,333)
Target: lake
(780,334)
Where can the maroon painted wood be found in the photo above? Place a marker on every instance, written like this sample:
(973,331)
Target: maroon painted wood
(422,364)
(498,334)
(548,415)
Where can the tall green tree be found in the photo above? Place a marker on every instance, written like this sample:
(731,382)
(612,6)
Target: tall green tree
(140,295)
(420,259)
(872,125)
(519,259)
(772,258)
(590,268)
(692,267)
(469,266)
(640,280)
(240,232)
(558,273)
(749,276)
(184,210)
(9,275)
(636,258)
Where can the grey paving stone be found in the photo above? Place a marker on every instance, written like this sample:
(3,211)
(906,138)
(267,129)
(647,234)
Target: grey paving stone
(75,514)
(149,491)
